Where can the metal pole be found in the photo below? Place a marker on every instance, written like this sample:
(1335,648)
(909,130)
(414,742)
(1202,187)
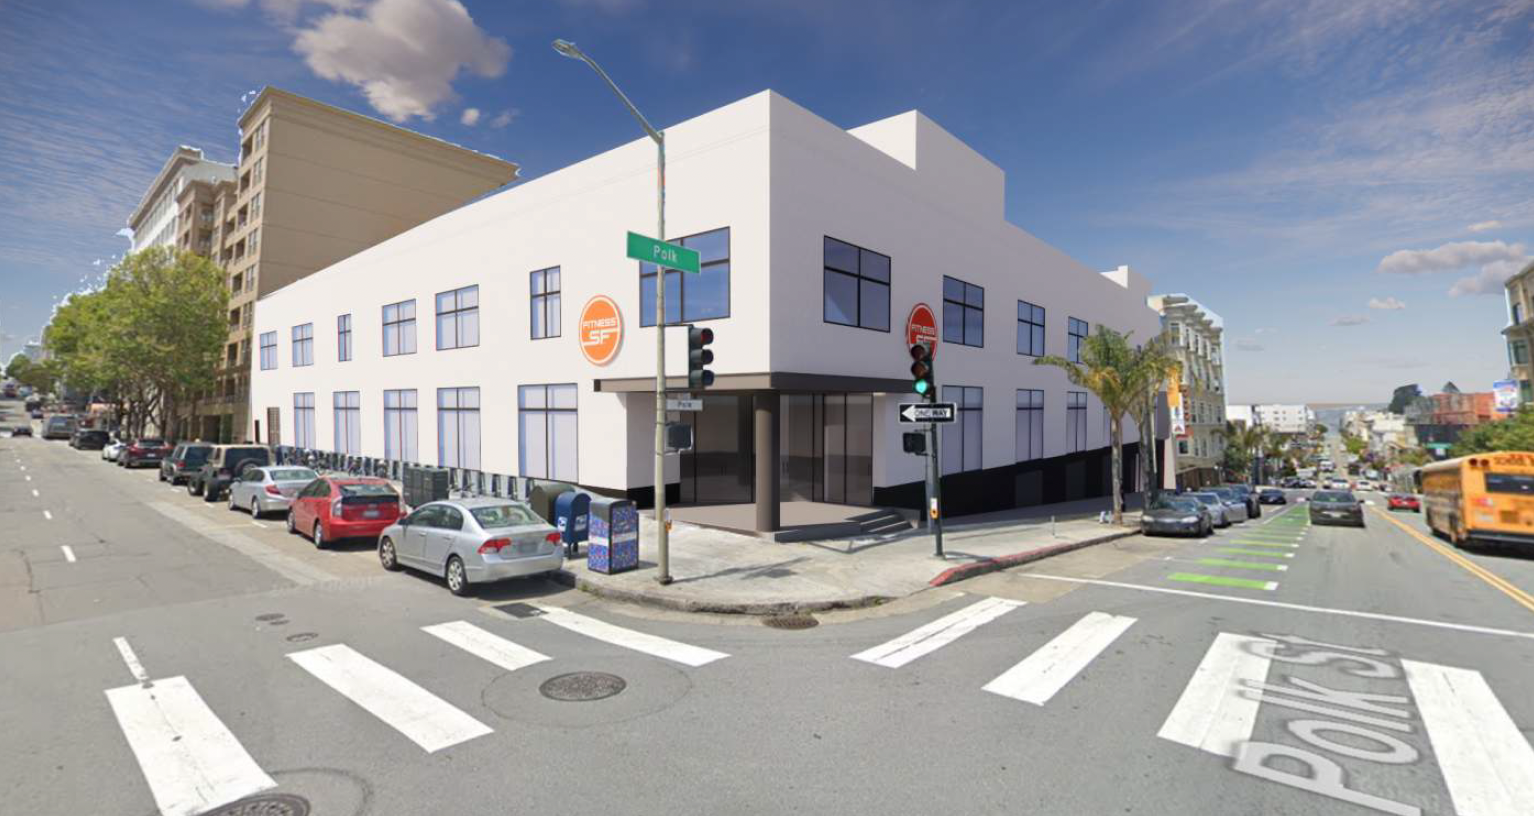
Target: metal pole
(662,536)
(935,466)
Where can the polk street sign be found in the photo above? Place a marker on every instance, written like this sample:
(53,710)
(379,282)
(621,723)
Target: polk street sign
(911,412)
(670,256)
(684,404)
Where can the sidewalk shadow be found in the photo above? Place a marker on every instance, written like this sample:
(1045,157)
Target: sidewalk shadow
(779,569)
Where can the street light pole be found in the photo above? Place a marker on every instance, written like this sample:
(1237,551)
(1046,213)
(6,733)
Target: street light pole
(662,540)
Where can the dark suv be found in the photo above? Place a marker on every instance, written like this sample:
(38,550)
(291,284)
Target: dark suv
(184,461)
(224,465)
(87,439)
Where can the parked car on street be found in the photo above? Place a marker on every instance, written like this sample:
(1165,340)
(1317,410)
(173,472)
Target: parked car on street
(224,464)
(1404,501)
(475,541)
(1236,502)
(35,413)
(59,426)
(145,451)
(90,439)
(1249,496)
(21,430)
(186,459)
(1272,496)
(1336,507)
(1171,513)
(331,508)
(268,489)
(111,450)
(1219,511)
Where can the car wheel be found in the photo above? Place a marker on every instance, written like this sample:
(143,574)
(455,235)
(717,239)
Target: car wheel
(386,554)
(232,506)
(161,475)
(292,526)
(193,487)
(318,536)
(255,508)
(210,494)
(457,577)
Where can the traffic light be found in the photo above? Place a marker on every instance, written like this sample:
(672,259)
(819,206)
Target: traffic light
(698,356)
(921,371)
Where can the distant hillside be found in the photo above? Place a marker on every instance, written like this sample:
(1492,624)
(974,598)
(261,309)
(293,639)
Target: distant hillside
(1330,413)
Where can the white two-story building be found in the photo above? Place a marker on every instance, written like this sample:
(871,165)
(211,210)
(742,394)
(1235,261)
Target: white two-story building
(458,342)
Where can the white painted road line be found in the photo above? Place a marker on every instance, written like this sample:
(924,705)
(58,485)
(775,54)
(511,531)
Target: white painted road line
(428,720)
(47,515)
(476,641)
(1210,715)
(1487,765)
(190,760)
(1349,613)
(35,494)
(29,477)
(629,639)
(259,524)
(937,634)
(1042,674)
(134,667)
(69,553)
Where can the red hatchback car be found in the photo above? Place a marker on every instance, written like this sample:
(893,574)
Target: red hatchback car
(331,508)
(1404,501)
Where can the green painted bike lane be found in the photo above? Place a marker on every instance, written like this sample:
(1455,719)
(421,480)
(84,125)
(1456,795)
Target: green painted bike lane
(1279,537)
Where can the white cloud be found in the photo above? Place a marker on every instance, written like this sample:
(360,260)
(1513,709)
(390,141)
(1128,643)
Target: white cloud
(504,118)
(1484,226)
(1489,280)
(403,54)
(470,117)
(1389,304)
(1449,257)
(1350,320)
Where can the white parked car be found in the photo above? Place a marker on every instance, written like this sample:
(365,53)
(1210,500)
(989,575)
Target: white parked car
(111,450)
(472,541)
(268,489)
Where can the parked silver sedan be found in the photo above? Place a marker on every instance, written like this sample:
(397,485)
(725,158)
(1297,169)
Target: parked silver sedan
(472,541)
(1235,501)
(268,489)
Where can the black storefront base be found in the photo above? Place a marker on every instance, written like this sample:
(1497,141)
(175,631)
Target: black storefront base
(644,497)
(1070,477)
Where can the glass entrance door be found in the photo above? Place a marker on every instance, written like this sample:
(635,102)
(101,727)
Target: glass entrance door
(826,443)
(718,469)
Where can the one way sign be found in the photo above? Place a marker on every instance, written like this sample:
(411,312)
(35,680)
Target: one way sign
(911,412)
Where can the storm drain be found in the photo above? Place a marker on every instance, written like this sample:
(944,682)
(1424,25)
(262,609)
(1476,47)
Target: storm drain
(276,804)
(790,621)
(581,687)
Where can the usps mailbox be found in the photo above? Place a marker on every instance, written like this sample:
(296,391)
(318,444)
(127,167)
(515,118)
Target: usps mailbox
(572,512)
(542,497)
(613,536)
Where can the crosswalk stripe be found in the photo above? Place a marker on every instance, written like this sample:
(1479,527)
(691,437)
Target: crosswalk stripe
(1042,674)
(937,634)
(1241,543)
(1210,715)
(1261,553)
(428,720)
(1487,764)
(190,760)
(628,638)
(476,641)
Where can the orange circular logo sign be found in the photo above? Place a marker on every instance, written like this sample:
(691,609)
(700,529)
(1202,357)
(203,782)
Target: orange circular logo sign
(601,330)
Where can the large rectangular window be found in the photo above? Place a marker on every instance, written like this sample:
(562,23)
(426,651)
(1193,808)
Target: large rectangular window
(348,422)
(690,297)
(547,431)
(857,286)
(961,442)
(268,350)
(1076,334)
(458,318)
(1075,421)
(303,420)
(399,328)
(400,426)
(545,303)
(1030,424)
(344,337)
(458,427)
(303,345)
(963,313)
(1030,329)
(1518,352)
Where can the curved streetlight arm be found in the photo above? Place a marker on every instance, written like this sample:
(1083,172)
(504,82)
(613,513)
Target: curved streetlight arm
(569,49)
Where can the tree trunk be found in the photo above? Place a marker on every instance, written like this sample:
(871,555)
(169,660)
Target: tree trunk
(1114,428)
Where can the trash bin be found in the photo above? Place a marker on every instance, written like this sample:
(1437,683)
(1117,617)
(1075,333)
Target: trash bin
(571,515)
(541,499)
(424,484)
(613,536)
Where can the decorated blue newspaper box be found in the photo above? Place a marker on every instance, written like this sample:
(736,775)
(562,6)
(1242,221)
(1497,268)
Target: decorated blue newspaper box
(612,536)
(572,511)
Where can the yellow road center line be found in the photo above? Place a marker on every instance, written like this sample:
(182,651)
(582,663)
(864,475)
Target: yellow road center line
(1495,580)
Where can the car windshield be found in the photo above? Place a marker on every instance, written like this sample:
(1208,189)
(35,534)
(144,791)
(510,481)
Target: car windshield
(504,515)
(1207,498)
(1333,497)
(195,454)
(246,454)
(150,443)
(1224,493)
(367,489)
(292,474)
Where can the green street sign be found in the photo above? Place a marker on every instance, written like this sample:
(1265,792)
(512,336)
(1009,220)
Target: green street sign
(670,256)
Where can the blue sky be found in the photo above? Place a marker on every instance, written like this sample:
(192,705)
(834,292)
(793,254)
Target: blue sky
(1346,183)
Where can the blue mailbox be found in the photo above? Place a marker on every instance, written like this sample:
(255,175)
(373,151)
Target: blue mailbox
(613,543)
(572,512)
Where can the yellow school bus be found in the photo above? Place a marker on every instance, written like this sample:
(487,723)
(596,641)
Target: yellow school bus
(1486,496)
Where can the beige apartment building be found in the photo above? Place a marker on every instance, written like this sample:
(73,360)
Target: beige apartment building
(1198,337)
(314,184)
(1520,331)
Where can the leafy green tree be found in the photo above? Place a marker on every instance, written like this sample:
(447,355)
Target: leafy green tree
(1242,444)
(1158,363)
(1353,444)
(38,376)
(1516,433)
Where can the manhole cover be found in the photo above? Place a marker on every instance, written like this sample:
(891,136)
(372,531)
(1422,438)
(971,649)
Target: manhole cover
(270,616)
(520,610)
(302,636)
(790,622)
(578,687)
(276,804)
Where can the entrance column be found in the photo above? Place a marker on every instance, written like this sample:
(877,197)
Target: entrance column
(768,509)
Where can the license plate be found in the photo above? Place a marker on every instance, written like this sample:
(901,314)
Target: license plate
(370,514)
(1336,513)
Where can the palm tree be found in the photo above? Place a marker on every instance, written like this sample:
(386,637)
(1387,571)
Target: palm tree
(1158,362)
(1245,440)
(1118,374)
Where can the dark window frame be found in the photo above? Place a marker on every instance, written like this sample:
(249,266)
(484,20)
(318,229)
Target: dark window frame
(1035,408)
(1077,443)
(303,345)
(344,338)
(859,280)
(265,347)
(398,412)
(399,325)
(1074,338)
(547,410)
(455,413)
(647,316)
(1035,324)
(458,313)
(539,295)
(965,307)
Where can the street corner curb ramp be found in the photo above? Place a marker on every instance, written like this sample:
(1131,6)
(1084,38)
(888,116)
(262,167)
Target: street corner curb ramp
(971,570)
(655,598)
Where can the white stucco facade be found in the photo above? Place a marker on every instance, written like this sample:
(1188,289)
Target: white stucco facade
(782,181)
(154,221)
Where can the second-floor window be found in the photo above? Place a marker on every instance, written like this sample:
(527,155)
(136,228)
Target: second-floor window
(1076,334)
(399,328)
(1517,313)
(344,337)
(458,318)
(303,345)
(1030,329)
(857,286)
(268,350)
(963,313)
(1075,421)
(348,422)
(545,303)
(689,297)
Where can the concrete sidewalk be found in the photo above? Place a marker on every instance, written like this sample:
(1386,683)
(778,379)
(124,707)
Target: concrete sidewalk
(722,572)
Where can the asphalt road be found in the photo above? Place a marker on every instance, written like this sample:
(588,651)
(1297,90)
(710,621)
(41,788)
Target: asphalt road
(186,657)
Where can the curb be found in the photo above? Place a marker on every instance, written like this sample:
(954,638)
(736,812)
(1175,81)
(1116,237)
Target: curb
(761,608)
(964,571)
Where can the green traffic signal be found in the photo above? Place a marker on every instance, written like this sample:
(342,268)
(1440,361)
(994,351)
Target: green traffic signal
(922,386)
(921,369)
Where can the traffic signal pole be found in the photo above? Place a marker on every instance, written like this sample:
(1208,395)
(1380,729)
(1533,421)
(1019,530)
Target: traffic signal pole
(934,483)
